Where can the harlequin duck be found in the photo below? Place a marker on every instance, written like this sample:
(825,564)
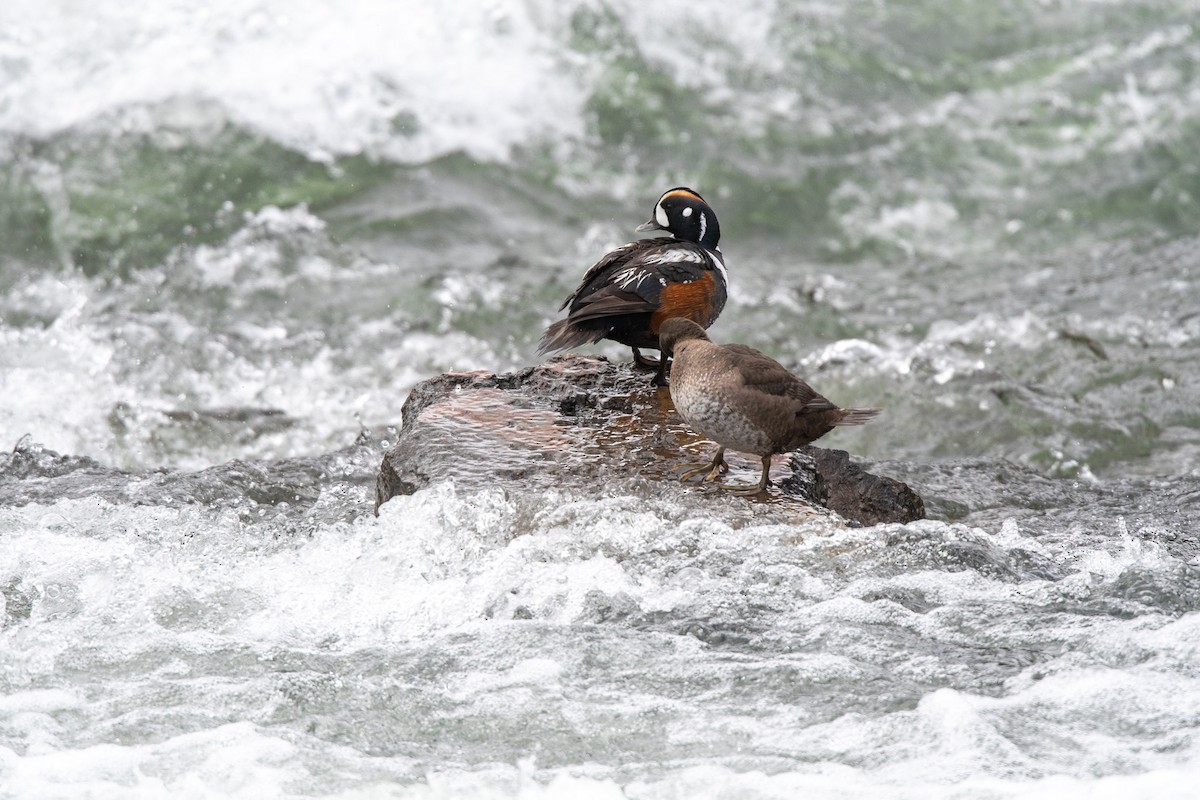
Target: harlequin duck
(629,293)
(744,400)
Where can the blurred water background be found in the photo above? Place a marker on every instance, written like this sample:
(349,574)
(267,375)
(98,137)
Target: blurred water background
(233,235)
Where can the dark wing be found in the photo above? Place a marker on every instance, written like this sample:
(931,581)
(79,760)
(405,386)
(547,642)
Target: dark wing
(609,262)
(640,269)
(627,282)
(598,298)
(763,373)
(609,301)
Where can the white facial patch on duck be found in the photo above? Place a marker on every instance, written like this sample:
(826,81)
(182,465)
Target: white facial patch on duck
(660,216)
(687,212)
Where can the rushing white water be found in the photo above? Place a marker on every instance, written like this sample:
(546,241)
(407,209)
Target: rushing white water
(234,235)
(107,378)
(480,645)
(408,81)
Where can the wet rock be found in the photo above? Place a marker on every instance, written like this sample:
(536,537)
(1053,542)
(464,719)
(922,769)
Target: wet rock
(867,499)
(582,422)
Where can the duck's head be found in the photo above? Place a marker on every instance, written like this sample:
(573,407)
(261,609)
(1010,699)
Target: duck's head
(684,214)
(676,330)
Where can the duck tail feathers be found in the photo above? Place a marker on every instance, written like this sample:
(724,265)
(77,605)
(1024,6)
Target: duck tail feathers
(562,335)
(857,416)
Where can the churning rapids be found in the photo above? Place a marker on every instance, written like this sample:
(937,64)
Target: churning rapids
(234,235)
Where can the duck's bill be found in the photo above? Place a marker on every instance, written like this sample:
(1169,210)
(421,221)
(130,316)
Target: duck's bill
(646,227)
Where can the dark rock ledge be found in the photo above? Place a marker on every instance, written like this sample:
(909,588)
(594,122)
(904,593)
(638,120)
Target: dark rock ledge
(583,423)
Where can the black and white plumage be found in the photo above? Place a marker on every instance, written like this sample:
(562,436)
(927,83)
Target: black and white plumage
(630,292)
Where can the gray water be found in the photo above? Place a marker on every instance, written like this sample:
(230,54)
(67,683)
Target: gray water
(233,236)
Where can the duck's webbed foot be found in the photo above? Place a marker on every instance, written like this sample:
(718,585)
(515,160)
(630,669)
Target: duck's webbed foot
(753,488)
(714,468)
(644,361)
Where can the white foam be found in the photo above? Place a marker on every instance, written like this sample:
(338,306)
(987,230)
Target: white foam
(511,591)
(949,348)
(57,381)
(835,782)
(232,327)
(405,82)
(322,78)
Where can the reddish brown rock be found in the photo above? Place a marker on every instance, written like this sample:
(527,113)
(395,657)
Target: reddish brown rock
(583,422)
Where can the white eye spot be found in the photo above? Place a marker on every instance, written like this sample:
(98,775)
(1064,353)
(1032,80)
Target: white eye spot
(660,216)
(687,212)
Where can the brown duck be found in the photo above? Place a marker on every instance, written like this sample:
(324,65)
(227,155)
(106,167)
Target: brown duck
(744,400)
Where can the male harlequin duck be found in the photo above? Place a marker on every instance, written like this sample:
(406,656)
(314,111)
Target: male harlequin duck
(744,400)
(629,293)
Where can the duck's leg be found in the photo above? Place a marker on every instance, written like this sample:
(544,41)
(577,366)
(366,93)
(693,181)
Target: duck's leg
(643,361)
(659,365)
(714,467)
(660,377)
(753,488)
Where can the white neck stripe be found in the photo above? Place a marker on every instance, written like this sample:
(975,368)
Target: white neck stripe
(719,262)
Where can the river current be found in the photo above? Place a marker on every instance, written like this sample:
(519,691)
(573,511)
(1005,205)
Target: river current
(234,235)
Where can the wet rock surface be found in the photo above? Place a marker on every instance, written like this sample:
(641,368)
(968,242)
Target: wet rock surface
(580,422)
